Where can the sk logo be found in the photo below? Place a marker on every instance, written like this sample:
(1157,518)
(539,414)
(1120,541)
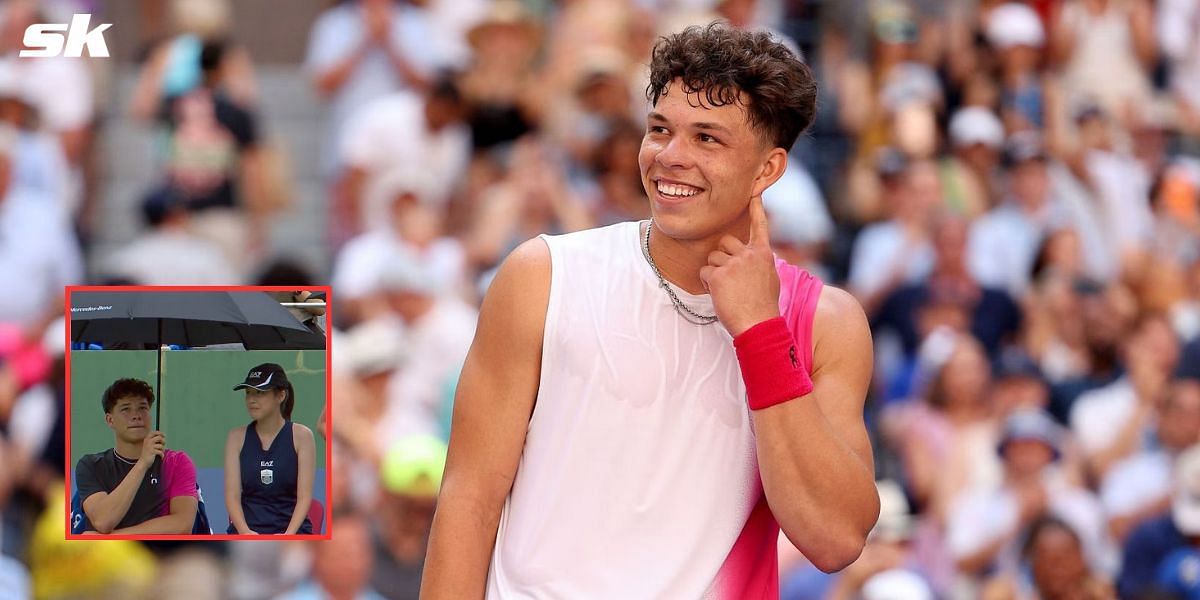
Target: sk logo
(267,476)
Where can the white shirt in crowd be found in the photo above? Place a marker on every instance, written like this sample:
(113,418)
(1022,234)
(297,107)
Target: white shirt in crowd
(1136,483)
(418,391)
(37,249)
(362,261)
(1097,415)
(980,517)
(172,257)
(61,91)
(389,137)
(1178,29)
(1122,192)
(340,31)
(1003,244)
(879,250)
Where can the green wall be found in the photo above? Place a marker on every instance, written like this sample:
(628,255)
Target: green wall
(199,406)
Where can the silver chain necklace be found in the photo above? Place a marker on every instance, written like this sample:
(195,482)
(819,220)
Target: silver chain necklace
(688,314)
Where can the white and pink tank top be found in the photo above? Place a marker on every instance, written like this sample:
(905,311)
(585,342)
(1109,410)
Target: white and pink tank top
(639,477)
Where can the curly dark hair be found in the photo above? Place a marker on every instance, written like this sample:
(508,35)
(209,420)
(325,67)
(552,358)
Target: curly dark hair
(723,62)
(123,388)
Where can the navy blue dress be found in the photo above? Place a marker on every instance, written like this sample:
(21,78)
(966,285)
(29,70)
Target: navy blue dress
(269,481)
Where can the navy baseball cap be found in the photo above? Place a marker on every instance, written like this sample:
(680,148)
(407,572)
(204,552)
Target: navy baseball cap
(264,377)
(1032,424)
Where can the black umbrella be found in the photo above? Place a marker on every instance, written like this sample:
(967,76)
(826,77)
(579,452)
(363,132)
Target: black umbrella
(136,319)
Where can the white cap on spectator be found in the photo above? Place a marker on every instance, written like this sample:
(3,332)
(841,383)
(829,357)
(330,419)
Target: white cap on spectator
(1015,24)
(406,273)
(896,584)
(13,84)
(1185,508)
(976,125)
(372,347)
(394,182)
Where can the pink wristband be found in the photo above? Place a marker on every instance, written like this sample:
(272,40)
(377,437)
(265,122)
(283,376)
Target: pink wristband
(770,363)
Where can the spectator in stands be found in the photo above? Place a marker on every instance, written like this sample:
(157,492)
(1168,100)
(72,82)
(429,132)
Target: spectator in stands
(897,251)
(61,91)
(362,50)
(401,132)
(170,253)
(442,326)
(969,173)
(1139,487)
(1120,184)
(411,475)
(614,168)
(1015,31)
(1105,49)
(987,524)
(993,317)
(1004,243)
(37,247)
(1111,423)
(1150,543)
(213,163)
(502,84)
(341,566)
(416,227)
(173,67)
(1053,555)
(532,198)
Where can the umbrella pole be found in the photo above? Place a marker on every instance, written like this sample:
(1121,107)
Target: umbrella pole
(158,380)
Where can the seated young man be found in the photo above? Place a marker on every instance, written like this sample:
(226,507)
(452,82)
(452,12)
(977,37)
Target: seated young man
(137,486)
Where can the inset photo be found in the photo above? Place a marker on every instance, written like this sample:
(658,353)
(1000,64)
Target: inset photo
(197,413)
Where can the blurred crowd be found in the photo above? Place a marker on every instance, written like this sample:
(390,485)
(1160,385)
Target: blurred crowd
(1011,190)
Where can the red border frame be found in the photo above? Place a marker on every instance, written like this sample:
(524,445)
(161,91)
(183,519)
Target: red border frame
(206,288)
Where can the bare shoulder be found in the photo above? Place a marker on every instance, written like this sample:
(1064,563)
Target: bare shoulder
(840,329)
(520,292)
(236,435)
(301,432)
(527,263)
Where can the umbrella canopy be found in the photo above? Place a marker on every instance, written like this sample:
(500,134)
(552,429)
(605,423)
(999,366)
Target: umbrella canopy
(188,318)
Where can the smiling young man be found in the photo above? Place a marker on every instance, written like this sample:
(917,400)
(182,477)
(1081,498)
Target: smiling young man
(137,486)
(646,405)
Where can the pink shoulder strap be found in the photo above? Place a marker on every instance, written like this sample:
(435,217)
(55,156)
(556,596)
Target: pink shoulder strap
(799,292)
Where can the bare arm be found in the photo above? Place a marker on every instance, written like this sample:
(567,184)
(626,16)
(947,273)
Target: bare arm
(233,480)
(1062,42)
(814,453)
(178,522)
(349,194)
(496,395)
(147,92)
(306,455)
(105,510)
(1141,25)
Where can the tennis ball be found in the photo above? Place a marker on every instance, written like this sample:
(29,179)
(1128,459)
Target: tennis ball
(413,466)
